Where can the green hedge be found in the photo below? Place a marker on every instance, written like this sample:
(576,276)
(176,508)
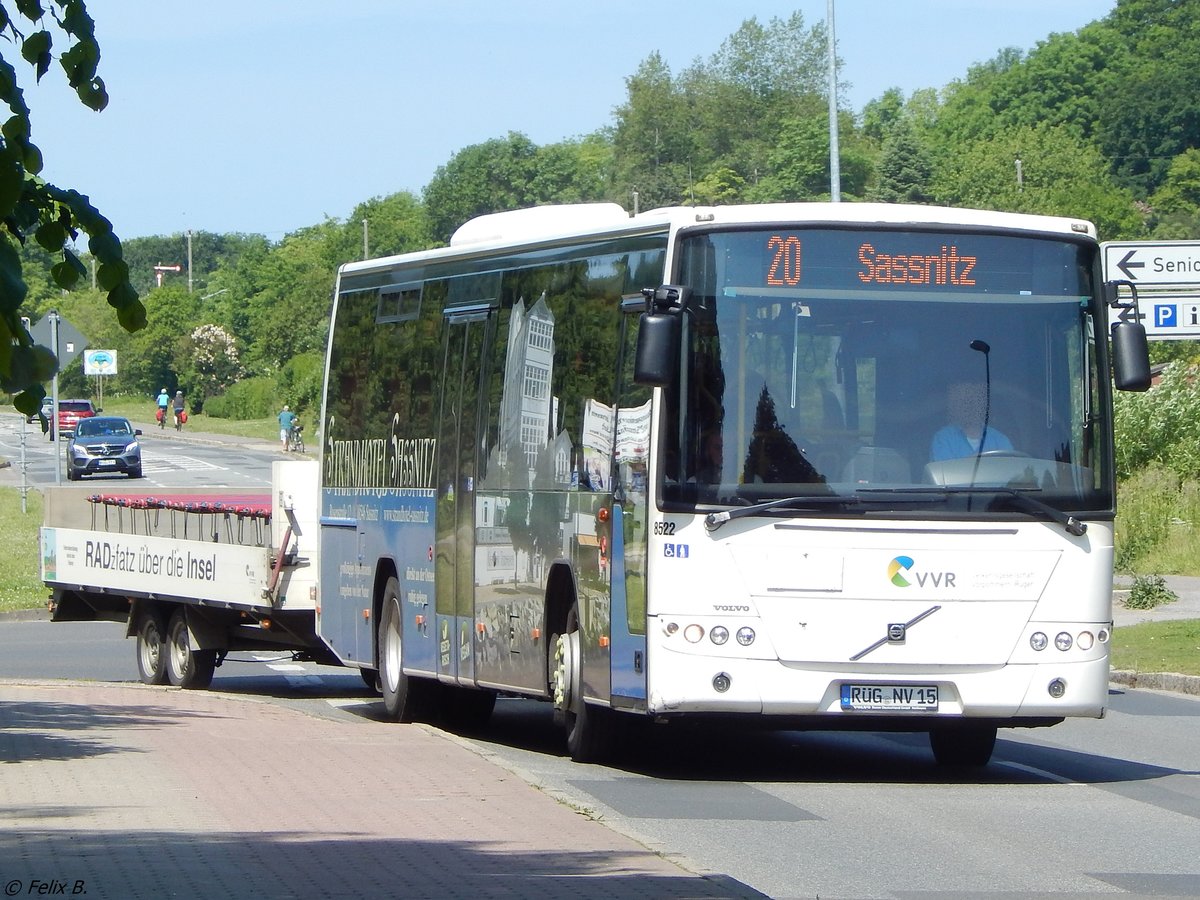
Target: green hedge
(251,398)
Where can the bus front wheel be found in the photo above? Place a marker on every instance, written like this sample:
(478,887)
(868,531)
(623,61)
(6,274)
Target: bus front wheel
(589,728)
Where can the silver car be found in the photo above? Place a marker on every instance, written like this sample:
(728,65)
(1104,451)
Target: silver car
(104,445)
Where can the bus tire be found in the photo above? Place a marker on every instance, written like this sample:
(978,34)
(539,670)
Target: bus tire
(589,728)
(151,647)
(187,667)
(967,746)
(404,698)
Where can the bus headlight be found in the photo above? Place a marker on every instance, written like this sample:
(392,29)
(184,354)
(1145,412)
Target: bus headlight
(1057,688)
(1038,640)
(1084,640)
(693,634)
(745,635)
(1063,641)
(718,634)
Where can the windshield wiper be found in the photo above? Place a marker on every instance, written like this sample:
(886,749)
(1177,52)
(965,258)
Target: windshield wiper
(1033,504)
(713,521)
(1030,504)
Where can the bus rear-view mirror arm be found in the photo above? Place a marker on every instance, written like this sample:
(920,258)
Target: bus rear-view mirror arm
(1130,348)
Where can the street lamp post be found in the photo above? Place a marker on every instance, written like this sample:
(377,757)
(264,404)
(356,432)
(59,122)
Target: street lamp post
(835,170)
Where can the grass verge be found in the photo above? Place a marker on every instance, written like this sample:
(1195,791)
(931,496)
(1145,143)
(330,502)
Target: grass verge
(142,412)
(1172,646)
(20,584)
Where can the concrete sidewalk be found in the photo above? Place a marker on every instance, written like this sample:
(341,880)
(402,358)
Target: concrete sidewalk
(128,791)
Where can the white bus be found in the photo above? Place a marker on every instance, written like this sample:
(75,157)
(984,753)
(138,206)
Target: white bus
(823,465)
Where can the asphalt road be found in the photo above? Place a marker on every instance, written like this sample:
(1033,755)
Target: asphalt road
(170,459)
(1088,808)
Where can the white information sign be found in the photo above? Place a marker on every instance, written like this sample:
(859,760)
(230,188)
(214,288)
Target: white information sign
(1153,263)
(223,573)
(100,362)
(1167,276)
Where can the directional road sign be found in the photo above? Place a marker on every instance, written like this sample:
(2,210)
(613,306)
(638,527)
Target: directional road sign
(1167,275)
(1153,262)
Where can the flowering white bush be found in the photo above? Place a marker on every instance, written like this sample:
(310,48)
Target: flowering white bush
(215,362)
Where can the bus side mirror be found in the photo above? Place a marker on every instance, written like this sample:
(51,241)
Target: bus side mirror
(1131,352)
(1131,357)
(657,355)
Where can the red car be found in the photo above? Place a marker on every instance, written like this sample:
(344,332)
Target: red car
(70,412)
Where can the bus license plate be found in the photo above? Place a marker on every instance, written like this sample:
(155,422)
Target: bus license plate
(890,697)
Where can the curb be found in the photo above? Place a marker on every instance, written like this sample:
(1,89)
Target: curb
(25,615)
(1157,681)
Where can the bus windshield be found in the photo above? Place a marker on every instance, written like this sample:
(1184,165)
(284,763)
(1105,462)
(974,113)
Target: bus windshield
(892,367)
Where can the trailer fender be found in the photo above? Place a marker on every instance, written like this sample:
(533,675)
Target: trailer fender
(204,633)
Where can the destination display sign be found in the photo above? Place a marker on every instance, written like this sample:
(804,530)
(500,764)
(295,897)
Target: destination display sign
(900,261)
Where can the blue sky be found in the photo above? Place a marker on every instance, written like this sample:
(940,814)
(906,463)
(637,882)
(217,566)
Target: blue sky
(272,115)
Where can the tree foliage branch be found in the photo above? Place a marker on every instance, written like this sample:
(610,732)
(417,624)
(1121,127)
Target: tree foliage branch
(32,207)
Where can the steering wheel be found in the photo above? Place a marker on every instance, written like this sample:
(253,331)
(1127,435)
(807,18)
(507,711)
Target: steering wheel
(1004,454)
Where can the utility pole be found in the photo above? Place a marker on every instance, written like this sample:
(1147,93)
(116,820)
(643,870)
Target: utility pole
(189,239)
(366,254)
(54,435)
(835,169)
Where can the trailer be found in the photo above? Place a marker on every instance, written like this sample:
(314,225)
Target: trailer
(194,574)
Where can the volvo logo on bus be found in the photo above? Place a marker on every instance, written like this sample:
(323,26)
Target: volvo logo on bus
(897,632)
(727,608)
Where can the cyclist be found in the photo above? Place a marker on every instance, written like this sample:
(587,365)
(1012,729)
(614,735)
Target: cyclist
(287,419)
(178,406)
(163,401)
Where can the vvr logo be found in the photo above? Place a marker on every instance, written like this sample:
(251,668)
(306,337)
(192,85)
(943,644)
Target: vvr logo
(900,571)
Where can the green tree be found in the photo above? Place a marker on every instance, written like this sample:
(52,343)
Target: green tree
(157,356)
(653,139)
(905,168)
(483,178)
(513,173)
(31,207)
(1059,175)
(1176,204)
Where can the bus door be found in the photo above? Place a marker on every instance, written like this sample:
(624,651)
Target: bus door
(462,368)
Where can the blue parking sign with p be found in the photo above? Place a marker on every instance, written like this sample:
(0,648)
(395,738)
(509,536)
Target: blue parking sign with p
(1166,315)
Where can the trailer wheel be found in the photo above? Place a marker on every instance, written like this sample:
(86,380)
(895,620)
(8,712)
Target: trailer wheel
(404,698)
(970,746)
(151,648)
(589,728)
(187,667)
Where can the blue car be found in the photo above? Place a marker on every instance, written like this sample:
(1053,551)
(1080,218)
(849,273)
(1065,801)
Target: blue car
(104,445)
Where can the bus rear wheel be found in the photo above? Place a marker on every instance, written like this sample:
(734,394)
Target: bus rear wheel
(404,698)
(589,728)
(967,746)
